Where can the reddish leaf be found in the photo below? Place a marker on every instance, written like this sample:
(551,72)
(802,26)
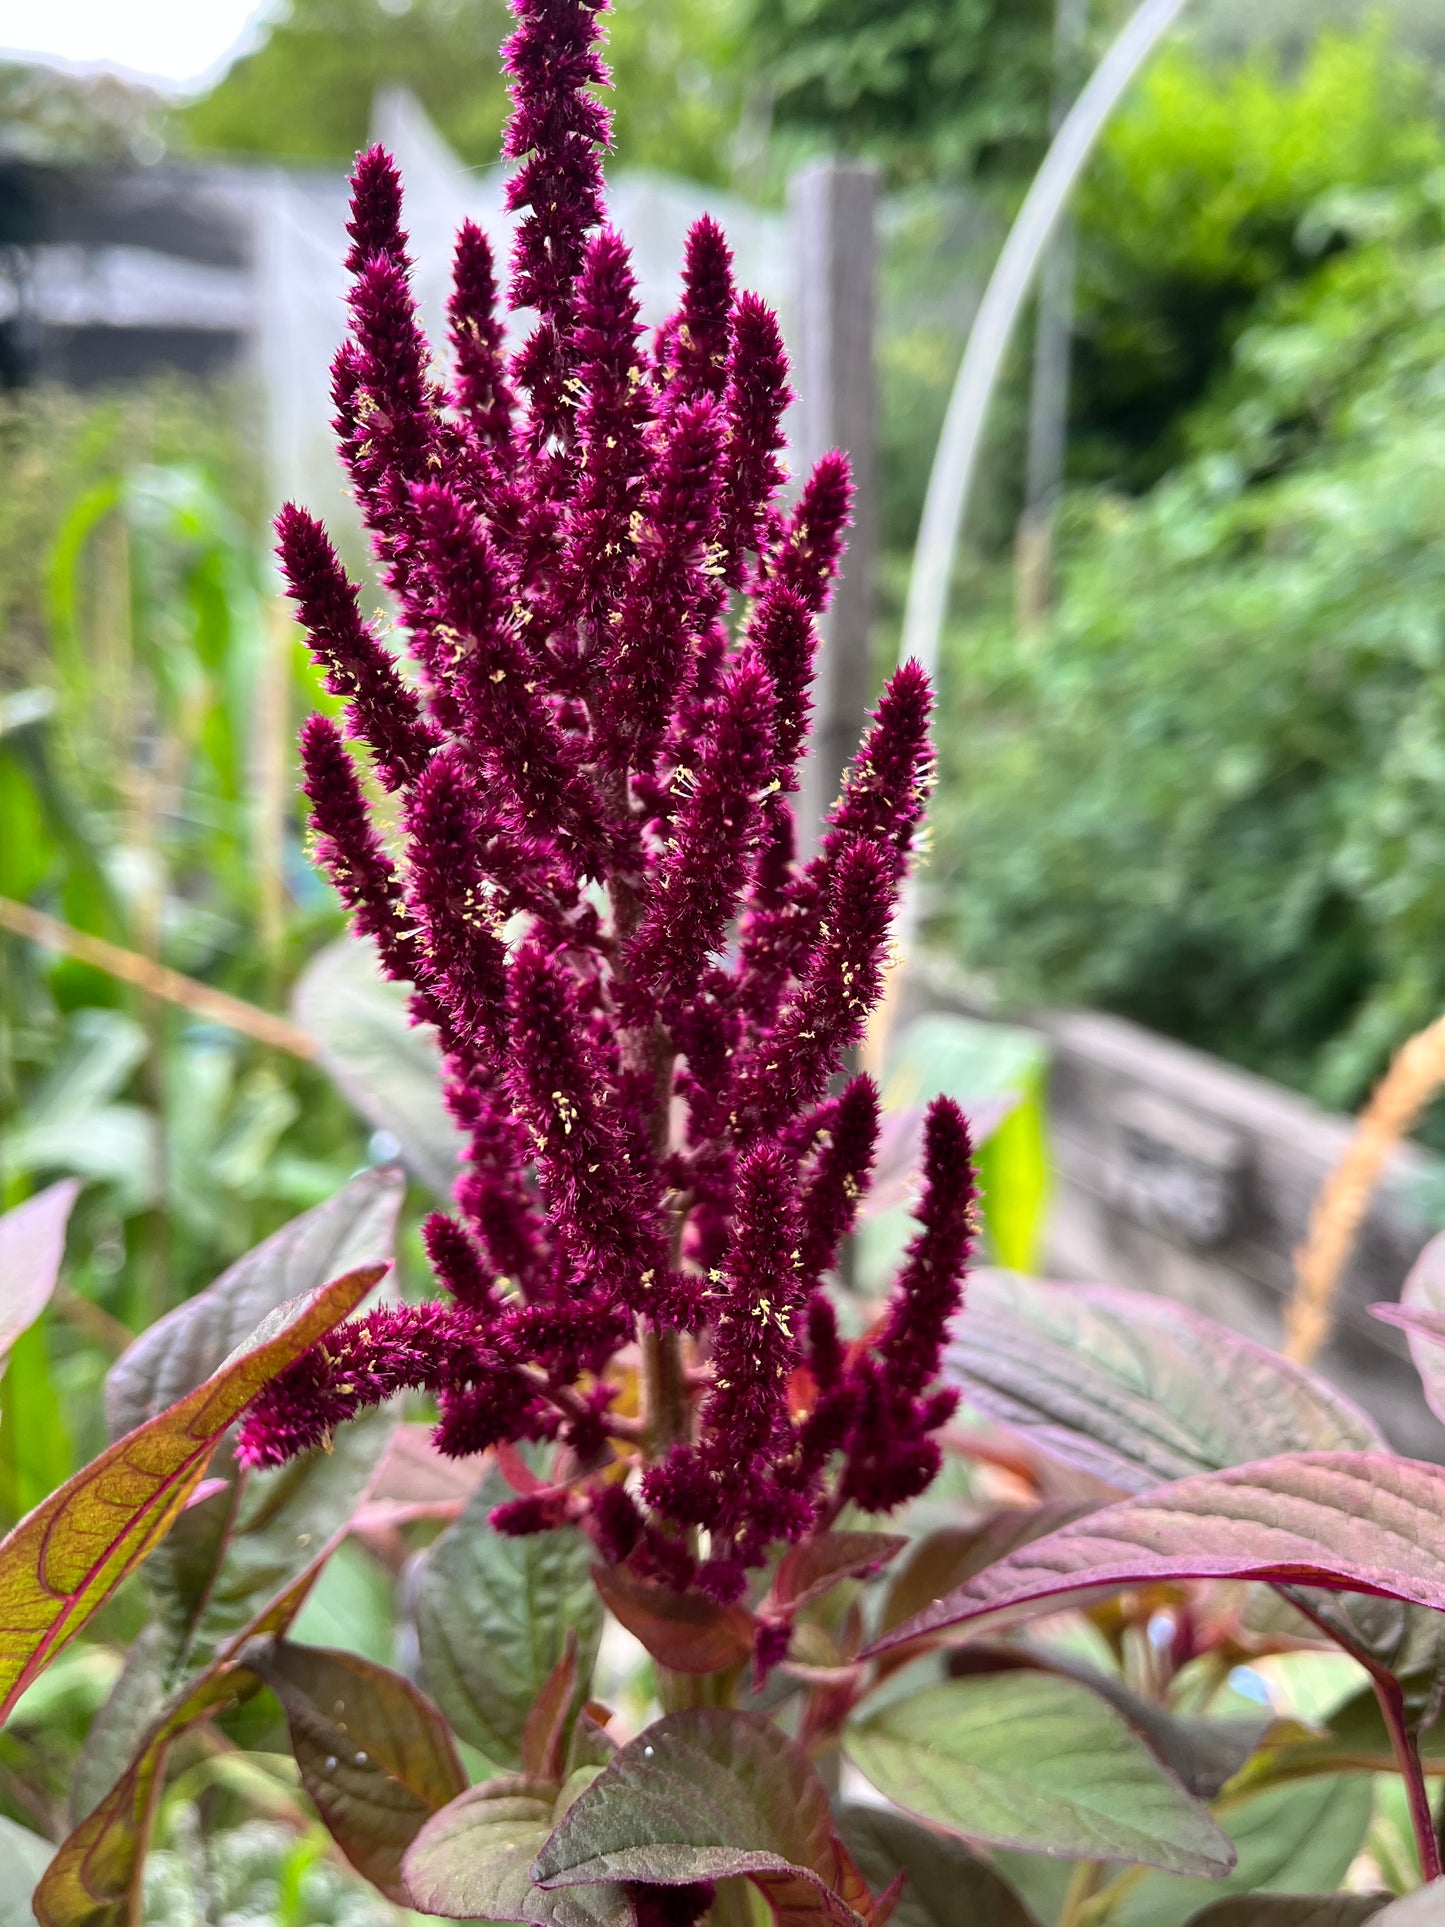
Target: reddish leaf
(807,1571)
(704,1795)
(544,1737)
(1344,1521)
(375,1755)
(684,1631)
(353,1228)
(1421,1316)
(32,1245)
(1134,1388)
(95,1875)
(945,1559)
(472,1861)
(64,1559)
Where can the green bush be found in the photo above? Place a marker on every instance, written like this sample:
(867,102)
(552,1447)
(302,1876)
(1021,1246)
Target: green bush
(1212,796)
(1214,186)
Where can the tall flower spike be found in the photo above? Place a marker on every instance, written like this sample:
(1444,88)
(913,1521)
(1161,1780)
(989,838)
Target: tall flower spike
(697,890)
(612,422)
(594,770)
(693,345)
(375,223)
(783,634)
(892,1455)
(811,543)
(839,1178)
(596,1199)
(886,788)
(791,1063)
(381,709)
(560,128)
(454,901)
(351,853)
(647,671)
(757,398)
(482,390)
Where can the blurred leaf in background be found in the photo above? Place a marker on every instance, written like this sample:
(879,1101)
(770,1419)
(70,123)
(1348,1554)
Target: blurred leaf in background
(1210,795)
(305,92)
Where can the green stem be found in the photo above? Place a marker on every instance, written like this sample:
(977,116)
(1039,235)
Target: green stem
(733,1905)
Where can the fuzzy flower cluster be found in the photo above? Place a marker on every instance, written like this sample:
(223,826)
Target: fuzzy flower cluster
(567,827)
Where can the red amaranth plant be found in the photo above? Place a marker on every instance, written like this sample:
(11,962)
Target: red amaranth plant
(644,1000)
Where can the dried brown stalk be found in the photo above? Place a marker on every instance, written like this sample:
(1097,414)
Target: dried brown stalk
(1416,1073)
(156,979)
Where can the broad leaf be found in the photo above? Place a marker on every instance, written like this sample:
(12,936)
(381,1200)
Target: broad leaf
(1204,1754)
(685,1631)
(375,1755)
(1423,1908)
(493,1615)
(945,1559)
(1296,1839)
(93,1877)
(32,1245)
(387,1067)
(1421,1315)
(67,1557)
(24,1856)
(1291,1910)
(355,1227)
(1134,1388)
(945,1884)
(90,1881)
(703,1795)
(1031,1760)
(473,1861)
(257,1530)
(807,1571)
(1345,1521)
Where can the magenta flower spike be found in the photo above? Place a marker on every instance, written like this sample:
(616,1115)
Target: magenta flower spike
(587,874)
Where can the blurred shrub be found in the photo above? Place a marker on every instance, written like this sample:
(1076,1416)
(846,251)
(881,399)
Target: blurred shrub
(1212,795)
(306,89)
(1214,185)
(938,87)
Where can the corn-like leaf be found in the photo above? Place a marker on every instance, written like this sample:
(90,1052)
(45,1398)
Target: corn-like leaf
(67,1556)
(1343,1521)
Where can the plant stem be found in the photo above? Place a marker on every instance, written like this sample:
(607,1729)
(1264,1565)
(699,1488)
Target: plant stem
(1407,1758)
(1081,1890)
(733,1906)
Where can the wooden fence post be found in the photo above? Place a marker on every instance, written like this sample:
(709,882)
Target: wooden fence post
(835,219)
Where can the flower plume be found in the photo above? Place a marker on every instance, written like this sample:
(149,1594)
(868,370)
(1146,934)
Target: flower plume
(584,869)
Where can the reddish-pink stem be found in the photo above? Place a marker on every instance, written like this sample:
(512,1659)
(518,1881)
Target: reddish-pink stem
(1412,1771)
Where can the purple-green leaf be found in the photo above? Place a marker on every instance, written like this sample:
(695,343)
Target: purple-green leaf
(32,1245)
(807,1571)
(1421,1316)
(66,1557)
(1035,1761)
(355,1227)
(1423,1908)
(1135,1389)
(473,1860)
(953,1554)
(1291,1910)
(703,1795)
(375,1755)
(684,1631)
(945,1884)
(493,1619)
(247,1539)
(1344,1521)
